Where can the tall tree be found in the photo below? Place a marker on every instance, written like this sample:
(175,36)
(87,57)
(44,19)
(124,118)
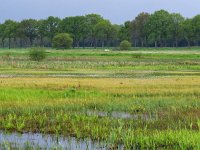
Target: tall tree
(41,31)
(28,28)
(188,31)
(103,31)
(124,32)
(196,28)
(114,35)
(176,30)
(158,27)
(10,30)
(91,20)
(137,28)
(52,24)
(2,34)
(75,26)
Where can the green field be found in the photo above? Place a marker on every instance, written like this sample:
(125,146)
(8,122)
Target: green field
(141,99)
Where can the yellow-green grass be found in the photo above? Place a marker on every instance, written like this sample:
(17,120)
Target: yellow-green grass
(171,106)
(147,99)
(98,63)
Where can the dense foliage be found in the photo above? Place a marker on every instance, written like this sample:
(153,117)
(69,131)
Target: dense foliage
(62,41)
(125,45)
(160,29)
(37,54)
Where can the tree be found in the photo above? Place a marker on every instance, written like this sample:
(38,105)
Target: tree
(41,31)
(74,26)
(125,45)
(113,39)
(91,20)
(124,32)
(2,34)
(62,41)
(196,28)
(28,28)
(158,27)
(10,30)
(52,24)
(188,31)
(176,30)
(103,31)
(137,27)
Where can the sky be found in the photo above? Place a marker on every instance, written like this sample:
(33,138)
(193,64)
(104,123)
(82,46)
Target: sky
(117,11)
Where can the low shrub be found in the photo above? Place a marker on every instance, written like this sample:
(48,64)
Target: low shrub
(125,45)
(62,41)
(37,54)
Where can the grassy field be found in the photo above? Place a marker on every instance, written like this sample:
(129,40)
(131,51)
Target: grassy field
(142,99)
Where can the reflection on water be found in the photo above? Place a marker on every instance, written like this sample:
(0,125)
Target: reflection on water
(39,141)
(122,115)
(49,142)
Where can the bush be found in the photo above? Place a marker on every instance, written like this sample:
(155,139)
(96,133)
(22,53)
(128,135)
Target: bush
(62,41)
(37,54)
(125,45)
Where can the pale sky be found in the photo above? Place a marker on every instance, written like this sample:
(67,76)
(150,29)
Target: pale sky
(117,11)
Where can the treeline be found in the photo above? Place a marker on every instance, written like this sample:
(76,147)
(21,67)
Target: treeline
(160,29)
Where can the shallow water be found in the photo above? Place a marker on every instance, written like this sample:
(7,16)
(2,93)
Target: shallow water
(48,75)
(40,141)
(122,115)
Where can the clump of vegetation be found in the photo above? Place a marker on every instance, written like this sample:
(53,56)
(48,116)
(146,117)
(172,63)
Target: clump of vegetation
(125,45)
(137,109)
(62,41)
(37,54)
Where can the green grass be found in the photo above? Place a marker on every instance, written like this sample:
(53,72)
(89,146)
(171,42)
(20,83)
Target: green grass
(76,92)
(102,64)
